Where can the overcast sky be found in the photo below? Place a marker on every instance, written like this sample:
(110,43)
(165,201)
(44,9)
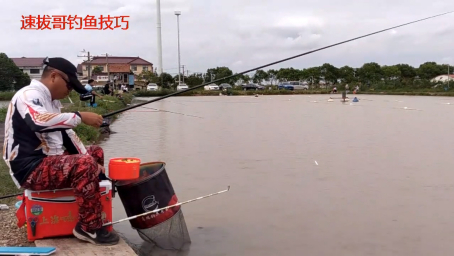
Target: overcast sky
(240,34)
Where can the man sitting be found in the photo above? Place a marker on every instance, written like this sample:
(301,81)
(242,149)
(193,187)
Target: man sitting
(44,153)
(91,94)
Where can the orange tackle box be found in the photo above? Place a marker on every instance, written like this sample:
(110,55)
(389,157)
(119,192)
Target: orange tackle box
(56,212)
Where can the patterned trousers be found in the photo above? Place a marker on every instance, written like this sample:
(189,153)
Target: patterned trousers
(80,172)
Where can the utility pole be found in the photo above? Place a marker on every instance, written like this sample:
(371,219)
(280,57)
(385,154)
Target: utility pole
(449,76)
(107,69)
(158,16)
(107,66)
(178,13)
(183,72)
(89,62)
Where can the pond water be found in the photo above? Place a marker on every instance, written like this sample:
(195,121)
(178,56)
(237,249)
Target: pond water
(307,176)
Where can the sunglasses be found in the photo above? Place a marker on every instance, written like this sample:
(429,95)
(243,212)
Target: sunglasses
(70,88)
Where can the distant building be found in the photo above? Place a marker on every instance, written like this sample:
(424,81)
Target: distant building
(31,66)
(442,78)
(119,68)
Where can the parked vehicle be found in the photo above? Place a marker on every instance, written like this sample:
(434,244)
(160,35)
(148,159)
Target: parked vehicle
(293,85)
(181,87)
(152,87)
(211,87)
(247,87)
(225,86)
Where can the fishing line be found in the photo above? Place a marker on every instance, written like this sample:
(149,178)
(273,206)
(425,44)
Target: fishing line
(270,64)
(160,110)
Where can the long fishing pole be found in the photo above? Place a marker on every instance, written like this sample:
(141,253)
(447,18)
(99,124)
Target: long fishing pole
(167,207)
(12,195)
(270,64)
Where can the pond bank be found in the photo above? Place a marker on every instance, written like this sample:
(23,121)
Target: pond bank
(419,92)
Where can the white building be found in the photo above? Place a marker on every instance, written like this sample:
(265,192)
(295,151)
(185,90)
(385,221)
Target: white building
(31,66)
(443,78)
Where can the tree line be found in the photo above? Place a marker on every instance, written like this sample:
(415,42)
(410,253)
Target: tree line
(11,77)
(370,74)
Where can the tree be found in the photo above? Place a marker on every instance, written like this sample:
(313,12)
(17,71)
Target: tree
(22,80)
(289,74)
(165,80)
(243,79)
(330,73)
(148,76)
(347,74)
(272,75)
(260,76)
(182,77)
(390,73)
(96,70)
(429,70)
(370,73)
(218,73)
(406,71)
(311,75)
(194,80)
(11,77)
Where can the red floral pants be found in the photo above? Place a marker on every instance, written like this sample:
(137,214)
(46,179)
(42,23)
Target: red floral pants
(80,172)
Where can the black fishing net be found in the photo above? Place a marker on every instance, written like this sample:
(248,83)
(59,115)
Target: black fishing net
(151,192)
(171,234)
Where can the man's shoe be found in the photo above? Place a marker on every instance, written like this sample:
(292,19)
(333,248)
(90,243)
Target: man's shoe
(98,237)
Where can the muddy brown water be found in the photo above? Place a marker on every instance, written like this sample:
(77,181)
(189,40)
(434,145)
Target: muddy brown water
(307,176)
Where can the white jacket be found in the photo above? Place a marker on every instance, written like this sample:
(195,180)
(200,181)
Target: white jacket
(36,128)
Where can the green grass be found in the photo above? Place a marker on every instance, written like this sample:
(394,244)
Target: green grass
(106,105)
(414,93)
(7,185)
(86,133)
(200,92)
(6,95)
(3,114)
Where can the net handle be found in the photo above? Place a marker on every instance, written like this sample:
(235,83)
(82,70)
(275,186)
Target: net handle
(167,207)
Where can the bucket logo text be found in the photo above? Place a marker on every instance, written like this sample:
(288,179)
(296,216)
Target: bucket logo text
(149,203)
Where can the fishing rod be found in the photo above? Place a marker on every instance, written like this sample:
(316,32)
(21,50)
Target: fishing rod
(167,207)
(270,64)
(8,196)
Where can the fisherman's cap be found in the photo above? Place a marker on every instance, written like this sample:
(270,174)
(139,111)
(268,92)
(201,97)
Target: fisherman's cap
(69,69)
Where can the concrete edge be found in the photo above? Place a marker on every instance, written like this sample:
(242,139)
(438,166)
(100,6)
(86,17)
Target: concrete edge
(73,246)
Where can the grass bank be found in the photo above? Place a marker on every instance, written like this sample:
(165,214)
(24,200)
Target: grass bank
(4,96)
(86,133)
(233,92)
(416,92)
